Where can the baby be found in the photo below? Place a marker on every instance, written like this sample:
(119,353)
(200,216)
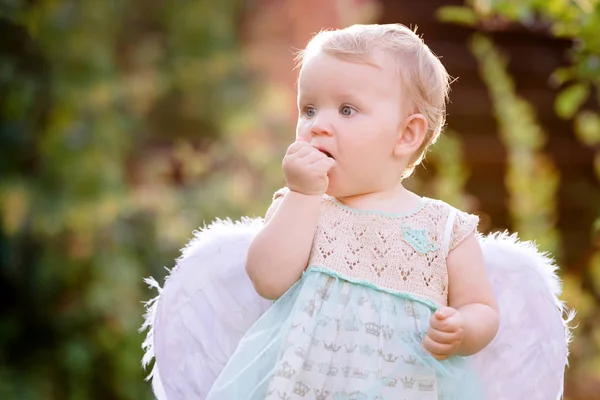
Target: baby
(380,293)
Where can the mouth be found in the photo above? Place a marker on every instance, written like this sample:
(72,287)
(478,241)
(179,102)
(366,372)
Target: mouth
(328,154)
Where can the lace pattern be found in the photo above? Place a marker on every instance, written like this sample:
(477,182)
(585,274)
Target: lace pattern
(464,225)
(398,253)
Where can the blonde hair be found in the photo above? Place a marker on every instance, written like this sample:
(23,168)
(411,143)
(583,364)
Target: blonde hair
(423,77)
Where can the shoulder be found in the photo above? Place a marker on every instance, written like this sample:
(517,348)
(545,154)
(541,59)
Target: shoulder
(458,224)
(280,193)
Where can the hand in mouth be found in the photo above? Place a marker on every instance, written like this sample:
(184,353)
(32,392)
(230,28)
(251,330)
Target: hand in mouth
(328,154)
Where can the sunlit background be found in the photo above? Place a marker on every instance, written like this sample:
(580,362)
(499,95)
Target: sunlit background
(127,124)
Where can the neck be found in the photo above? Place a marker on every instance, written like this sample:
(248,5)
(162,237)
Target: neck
(394,199)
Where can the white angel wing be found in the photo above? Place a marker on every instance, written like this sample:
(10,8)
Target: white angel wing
(527,358)
(207,304)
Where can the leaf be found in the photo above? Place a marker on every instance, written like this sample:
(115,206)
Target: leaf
(596,226)
(560,76)
(458,15)
(570,99)
(587,127)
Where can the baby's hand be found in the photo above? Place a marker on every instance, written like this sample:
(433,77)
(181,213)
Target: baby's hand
(445,333)
(305,169)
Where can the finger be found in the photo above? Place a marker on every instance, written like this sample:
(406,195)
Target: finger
(444,337)
(436,323)
(302,139)
(314,157)
(296,146)
(444,313)
(303,151)
(437,348)
(446,325)
(324,164)
(440,357)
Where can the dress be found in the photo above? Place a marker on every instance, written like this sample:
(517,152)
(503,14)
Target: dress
(352,327)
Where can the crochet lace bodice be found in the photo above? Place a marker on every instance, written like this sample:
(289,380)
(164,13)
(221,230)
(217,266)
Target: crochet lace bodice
(397,253)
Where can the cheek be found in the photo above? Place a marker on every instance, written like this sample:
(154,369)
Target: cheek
(302,129)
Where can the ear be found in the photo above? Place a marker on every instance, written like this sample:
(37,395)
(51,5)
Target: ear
(410,135)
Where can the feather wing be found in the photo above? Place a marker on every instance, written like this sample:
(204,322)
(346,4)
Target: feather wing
(527,358)
(208,303)
(205,307)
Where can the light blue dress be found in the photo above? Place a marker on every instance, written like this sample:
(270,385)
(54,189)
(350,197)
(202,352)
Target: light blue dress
(335,336)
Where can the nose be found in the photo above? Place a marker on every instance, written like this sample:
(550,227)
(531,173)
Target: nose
(321,126)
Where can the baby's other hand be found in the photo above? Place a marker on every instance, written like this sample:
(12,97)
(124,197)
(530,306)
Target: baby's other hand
(445,333)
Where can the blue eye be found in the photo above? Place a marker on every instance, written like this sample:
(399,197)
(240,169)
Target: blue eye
(347,111)
(310,111)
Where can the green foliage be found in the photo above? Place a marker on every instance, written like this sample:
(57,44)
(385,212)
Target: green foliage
(575,20)
(587,128)
(532,178)
(457,15)
(451,172)
(127,124)
(570,99)
(113,129)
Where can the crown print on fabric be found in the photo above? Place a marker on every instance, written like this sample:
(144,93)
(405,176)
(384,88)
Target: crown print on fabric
(301,352)
(323,368)
(346,371)
(343,395)
(373,329)
(332,346)
(389,382)
(410,360)
(283,396)
(390,358)
(361,373)
(350,348)
(352,325)
(366,350)
(332,371)
(387,331)
(321,394)
(426,385)
(286,371)
(307,365)
(301,389)
(310,308)
(407,382)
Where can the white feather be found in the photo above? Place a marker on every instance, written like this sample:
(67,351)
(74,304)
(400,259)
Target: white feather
(148,344)
(207,304)
(527,358)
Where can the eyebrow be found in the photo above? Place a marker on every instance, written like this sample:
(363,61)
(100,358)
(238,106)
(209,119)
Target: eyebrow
(343,96)
(351,97)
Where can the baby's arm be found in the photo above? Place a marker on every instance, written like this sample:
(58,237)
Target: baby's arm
(470,292)
(279,252)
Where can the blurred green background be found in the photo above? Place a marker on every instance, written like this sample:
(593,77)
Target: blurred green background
(125,125)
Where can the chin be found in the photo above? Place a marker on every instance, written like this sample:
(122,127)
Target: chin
(336,192)
(339,191)
(331,191)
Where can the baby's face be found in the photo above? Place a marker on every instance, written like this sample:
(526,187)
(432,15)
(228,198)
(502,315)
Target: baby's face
(352,112)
